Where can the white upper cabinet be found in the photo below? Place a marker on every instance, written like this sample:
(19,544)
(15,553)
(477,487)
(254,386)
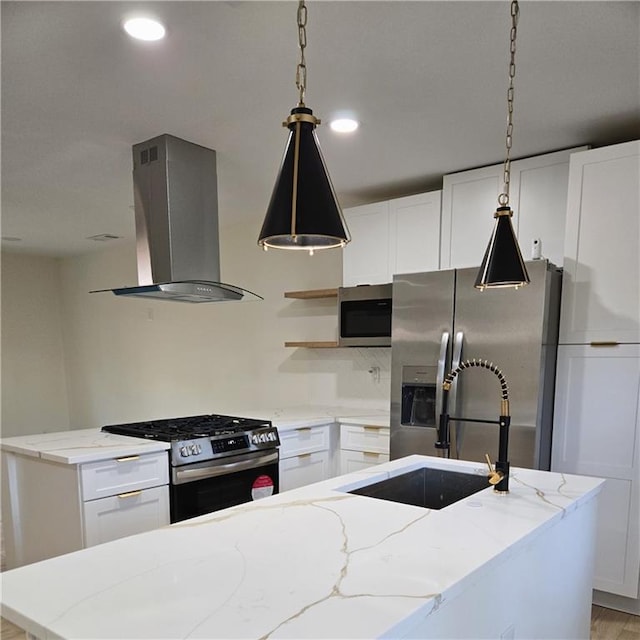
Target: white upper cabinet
(538,197)
(469,199)
(365,260)
(414,233)
(395,236)
(601,287)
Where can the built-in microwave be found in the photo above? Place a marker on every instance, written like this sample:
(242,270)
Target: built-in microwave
(365,315)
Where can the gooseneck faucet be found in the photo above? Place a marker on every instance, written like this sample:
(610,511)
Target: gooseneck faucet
(498,475)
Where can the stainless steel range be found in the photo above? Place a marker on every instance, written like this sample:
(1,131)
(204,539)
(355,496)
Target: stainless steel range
(215,461)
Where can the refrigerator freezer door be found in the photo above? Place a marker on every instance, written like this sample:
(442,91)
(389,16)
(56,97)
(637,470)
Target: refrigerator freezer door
(517,331)
(420,355)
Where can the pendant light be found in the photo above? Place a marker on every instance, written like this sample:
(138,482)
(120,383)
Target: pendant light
(303,212)
(502,265)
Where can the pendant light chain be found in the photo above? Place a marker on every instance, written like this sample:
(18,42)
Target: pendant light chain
(304,212)
(503,198)
(502,265)
(301,70)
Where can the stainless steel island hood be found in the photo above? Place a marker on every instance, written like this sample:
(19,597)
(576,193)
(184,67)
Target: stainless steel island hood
(176,215)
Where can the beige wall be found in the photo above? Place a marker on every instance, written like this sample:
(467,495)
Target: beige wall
(136,359)
(34,386)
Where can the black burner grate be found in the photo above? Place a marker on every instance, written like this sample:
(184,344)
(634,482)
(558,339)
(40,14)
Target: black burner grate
(186,428)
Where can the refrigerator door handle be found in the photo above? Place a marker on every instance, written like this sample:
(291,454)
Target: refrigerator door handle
(456,358)
(442,372)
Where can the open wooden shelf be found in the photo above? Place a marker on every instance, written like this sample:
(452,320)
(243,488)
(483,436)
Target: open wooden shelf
(312,295)
(308,295)
(312,345)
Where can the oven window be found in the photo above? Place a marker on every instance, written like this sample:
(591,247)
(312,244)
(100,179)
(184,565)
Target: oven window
(365,318)
(196,498)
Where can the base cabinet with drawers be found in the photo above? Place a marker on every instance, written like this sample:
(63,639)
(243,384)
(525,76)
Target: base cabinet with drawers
(124,496)
(306,455)
(362,446)
(49,508)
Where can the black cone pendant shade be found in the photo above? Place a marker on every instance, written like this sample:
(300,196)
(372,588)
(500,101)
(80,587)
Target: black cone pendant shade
(303,212)
(502,265)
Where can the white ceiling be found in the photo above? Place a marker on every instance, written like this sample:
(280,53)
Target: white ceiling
(426,79)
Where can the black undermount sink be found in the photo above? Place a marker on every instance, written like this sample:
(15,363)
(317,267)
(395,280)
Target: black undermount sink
(426,487)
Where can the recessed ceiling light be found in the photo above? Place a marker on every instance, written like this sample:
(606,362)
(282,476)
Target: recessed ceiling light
(144,29)
(344,125)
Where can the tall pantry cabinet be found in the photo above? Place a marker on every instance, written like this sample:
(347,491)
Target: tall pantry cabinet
(596,423)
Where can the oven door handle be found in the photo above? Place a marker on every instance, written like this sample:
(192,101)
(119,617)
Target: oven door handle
(186,474)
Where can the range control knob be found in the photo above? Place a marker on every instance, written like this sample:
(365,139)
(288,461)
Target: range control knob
(194,449)
(183,452)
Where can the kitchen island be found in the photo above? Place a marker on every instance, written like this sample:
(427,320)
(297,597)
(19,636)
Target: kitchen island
(319,562)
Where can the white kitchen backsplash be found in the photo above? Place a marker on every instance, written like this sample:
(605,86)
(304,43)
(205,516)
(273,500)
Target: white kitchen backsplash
(356,376)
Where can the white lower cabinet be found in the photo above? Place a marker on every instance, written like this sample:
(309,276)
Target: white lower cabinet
(124,496)
(306,456)
(122,475)
(362,446)
(125,514)
(51,508)
(596,433)
(303,469)
(357,460)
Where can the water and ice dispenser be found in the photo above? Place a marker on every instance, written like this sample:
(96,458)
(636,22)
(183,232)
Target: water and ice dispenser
(418,408)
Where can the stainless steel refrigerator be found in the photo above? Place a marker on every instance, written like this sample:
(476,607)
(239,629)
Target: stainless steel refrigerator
(440,319)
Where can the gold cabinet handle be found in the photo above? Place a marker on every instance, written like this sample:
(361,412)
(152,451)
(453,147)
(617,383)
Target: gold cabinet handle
(130,494)
(303,429)
(604,343)
(127,458)
(372,428)
(304,455)
(372,453)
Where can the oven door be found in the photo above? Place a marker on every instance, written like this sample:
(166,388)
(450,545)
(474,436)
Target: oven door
(204,487)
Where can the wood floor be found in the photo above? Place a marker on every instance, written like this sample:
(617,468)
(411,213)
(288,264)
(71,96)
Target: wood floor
(606,624)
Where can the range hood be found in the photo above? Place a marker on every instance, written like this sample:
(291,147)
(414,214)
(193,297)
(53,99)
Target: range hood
(176,215)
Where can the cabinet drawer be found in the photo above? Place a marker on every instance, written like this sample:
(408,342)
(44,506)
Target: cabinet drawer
(125,515)
(304,440)
(120,475)
(361,438)
(304,469)
(357,460)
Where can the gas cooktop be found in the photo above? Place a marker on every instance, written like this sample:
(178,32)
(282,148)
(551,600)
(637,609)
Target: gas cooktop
(201,438)
(187,428)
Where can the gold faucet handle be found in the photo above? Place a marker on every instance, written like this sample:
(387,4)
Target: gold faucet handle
(494,476)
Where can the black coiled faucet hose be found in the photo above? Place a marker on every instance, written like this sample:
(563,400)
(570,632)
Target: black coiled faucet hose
(485,364)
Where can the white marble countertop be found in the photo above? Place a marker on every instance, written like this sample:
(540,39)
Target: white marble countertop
(313,562)
(287,418)
(79,446)
(88,445)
